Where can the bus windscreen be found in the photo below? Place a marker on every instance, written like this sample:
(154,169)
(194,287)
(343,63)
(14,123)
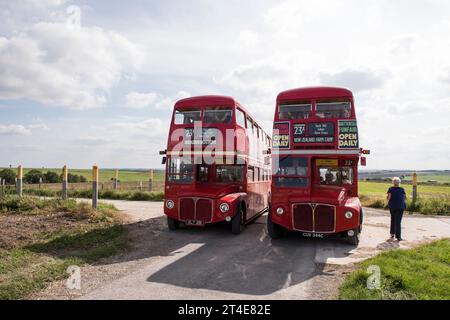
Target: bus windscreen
(180,170)
(291,172)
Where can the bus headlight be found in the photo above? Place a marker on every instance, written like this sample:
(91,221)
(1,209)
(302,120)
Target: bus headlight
(348,214)
(280,211)
(170,204)
(224,207)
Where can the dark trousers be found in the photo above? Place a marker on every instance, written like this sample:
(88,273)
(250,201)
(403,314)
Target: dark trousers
(396,222)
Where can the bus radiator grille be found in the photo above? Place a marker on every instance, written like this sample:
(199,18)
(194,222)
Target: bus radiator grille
(303,217)
(204,209)
(324,220)
(187,209)
(196,209)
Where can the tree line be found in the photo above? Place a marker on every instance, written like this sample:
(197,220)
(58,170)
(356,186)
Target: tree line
(35,176)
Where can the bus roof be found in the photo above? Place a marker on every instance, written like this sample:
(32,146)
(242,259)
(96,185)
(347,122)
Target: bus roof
(206,100)
(314,93)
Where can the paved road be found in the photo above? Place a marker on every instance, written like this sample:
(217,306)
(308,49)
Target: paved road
(211,263)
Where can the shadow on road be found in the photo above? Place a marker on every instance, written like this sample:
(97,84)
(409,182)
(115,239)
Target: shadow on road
(250,263)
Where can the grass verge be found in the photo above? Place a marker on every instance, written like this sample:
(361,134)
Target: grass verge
(419,273)
(41,238)
(106,194)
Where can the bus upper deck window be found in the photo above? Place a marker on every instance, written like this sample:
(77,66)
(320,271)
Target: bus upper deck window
(333,109)
(218,115)
(187,116)
(240,118)
(294,111)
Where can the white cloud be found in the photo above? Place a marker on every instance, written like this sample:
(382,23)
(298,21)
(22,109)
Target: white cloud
(149,128)
(357,80)
(13,129)
(138,100)
(167,103)
(19,129)
(58,64)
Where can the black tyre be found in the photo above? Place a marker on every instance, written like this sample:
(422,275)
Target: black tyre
(237,222)
(275,231)
(361,218)
(354,240)
(173,224)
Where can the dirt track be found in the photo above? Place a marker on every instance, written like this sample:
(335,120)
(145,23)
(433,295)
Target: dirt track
(211,263)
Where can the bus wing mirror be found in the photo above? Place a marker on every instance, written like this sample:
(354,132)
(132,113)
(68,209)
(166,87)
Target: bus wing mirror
(163,152)
(164,159)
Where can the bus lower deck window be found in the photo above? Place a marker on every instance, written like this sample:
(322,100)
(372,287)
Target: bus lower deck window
(294,166)
(229,173)
(180,170)
(337,176)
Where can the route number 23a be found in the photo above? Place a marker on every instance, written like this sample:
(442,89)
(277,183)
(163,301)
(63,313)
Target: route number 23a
(299,130)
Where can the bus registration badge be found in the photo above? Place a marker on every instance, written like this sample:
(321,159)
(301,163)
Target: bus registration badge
(312,235)
(198,223)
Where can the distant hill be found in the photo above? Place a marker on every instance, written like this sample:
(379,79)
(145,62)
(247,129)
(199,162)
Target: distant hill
(439,176)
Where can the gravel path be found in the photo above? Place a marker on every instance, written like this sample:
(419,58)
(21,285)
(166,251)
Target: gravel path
(211,263)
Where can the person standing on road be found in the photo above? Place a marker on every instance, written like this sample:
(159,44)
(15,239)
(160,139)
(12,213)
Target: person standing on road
(396,197)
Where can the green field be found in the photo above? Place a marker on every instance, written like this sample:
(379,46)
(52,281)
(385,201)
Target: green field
(425,191)
(421,273)
(106,174)
(432,199)
(442,177)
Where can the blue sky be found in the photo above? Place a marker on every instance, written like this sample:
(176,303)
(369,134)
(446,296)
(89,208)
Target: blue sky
(84,82)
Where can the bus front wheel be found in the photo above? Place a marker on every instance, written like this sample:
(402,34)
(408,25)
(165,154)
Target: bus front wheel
(275,231)
(354,239)
(173,224)
(237,222)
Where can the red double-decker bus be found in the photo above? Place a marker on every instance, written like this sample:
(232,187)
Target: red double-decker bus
(315,157)
(217,168)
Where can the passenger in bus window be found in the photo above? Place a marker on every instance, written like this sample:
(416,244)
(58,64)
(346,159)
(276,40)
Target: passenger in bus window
(346,113)
(329,177)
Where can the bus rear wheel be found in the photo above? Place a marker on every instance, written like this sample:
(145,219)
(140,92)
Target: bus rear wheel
(237,223)
(275,231)
(173,224)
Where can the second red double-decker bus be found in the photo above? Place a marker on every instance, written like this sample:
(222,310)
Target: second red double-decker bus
(315,157)
(217,168)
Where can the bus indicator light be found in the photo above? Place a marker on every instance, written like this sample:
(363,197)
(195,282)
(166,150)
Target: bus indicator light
(363,161)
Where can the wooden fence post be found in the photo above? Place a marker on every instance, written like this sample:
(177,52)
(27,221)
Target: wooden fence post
(1,185)
(150,180)
(65,182)
(116,179)
(414,194)
(94,187)
(19,183)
